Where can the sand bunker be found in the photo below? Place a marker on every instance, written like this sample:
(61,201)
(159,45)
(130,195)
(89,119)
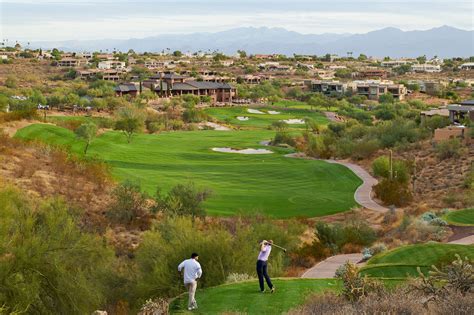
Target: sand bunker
(244,151)
(272,112)
(294,121)
(254,111)
(243,118)
(215,126)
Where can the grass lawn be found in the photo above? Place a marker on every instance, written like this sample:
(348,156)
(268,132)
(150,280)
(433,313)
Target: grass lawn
(461,217)
(404,260)
(301,105)
(246,298)
(263,121)
(270,184)
(95,119)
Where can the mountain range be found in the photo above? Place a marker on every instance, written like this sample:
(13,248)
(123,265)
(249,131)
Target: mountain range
(444,41)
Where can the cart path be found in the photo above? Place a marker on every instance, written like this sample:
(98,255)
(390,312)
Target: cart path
(327,268)
(363,194)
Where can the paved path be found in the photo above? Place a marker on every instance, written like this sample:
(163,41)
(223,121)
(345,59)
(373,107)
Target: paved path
(468,240)
(363,194)
(327,268)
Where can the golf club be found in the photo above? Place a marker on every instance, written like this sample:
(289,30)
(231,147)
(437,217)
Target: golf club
(277,246)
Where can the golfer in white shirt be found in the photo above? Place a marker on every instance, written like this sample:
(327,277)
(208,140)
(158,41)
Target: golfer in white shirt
(192,272)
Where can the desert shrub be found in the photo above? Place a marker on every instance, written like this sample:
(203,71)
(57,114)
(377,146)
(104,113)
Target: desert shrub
(19,115)
(283,137)
(400,170)
(417,231)
(339,237)
(155,307)
(373,250)
(433,219)
(365,149)
(130,205)
(48,265)
(448,149)
(183,200)
(354,285)
(154,127)
(392,192)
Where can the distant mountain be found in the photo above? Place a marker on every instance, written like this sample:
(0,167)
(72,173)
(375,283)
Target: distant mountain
(443,41)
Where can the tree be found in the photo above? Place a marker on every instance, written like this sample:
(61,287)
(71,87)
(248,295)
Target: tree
(386,98)
(362,57)
(129,204)
(242,53)
(87,132)
(48,265)
(177,53)
(421,59)
(129,120)
(183,200)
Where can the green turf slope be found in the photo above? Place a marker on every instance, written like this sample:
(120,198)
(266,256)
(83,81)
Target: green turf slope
(404,260)
(245,297)
(270,184)
(461,217)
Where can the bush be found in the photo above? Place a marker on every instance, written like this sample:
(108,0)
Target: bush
(355,286)
(129,204)
(448,149)
(48,265)
(393,193)
(381,168)
(336,237)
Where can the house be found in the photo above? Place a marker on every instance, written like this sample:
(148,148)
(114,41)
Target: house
(111,64)
(395,63)
(111,74)
(127,89)
(441,111)
(426,67)
(156,64)
(253,79)
(328,87)
(467,66)
(171,84)
(71,62)
(462,111)
(373,89)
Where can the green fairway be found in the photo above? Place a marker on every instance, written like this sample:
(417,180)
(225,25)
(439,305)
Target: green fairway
(230,114)
(245,297)
(270,184)
(404,260)
(301,105)
(461,217)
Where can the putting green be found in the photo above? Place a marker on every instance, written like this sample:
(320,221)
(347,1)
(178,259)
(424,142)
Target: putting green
(403,261)
(269,184)
(245,297)
(461,217)
(261,121)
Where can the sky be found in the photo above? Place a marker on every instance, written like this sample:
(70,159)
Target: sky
(34,20)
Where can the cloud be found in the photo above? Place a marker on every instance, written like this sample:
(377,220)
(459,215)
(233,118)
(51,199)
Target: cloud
(87,19)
